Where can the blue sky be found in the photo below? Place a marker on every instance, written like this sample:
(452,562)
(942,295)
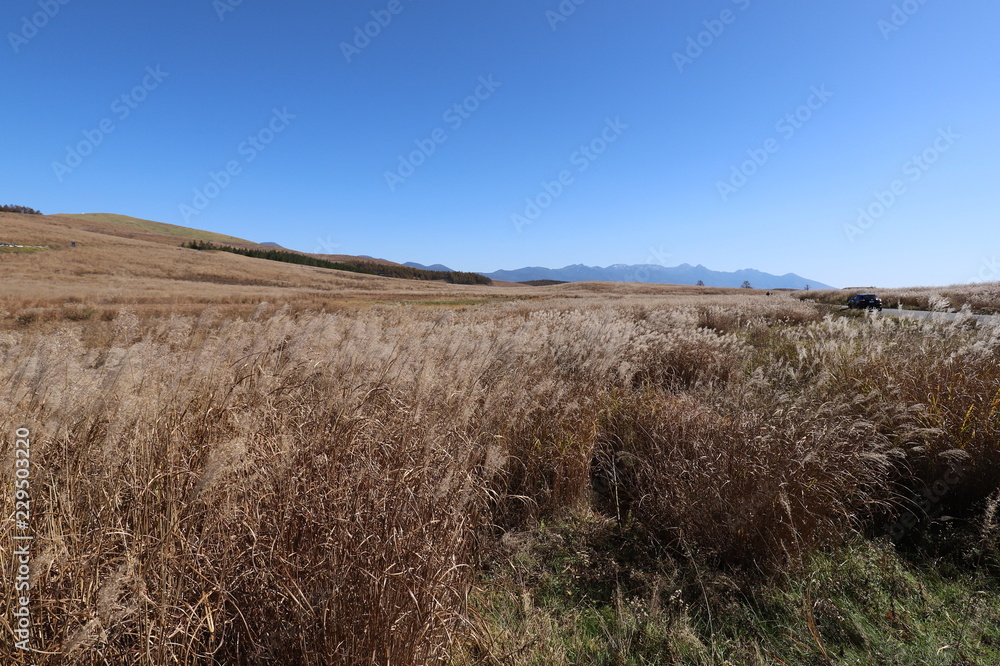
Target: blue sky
(853,142)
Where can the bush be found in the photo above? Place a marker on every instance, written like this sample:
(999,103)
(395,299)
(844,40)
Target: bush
(747,480)
(24,210)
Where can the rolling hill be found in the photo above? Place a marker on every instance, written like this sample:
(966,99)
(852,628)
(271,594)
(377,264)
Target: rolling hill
(99,264)
(137,224)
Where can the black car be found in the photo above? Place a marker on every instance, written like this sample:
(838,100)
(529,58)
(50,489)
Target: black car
(865,302)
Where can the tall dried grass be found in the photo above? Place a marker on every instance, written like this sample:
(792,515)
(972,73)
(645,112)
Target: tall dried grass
(981,297)
(319,488)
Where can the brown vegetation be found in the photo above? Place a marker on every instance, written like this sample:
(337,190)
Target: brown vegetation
(319,488)
(249,483)
(980,298)
(115,266)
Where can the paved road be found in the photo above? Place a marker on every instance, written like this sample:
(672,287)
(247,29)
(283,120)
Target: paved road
(939,316)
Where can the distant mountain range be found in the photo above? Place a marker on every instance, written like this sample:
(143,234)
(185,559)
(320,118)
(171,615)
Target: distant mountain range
(432,267)
(656,274)
(651,273)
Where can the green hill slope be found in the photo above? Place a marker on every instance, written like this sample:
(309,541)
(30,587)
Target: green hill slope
(158,227)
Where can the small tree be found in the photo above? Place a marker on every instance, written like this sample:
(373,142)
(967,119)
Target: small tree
(19,209)
(746,285)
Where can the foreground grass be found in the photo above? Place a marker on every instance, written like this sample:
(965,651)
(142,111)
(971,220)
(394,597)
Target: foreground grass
(600,481)
(581,590)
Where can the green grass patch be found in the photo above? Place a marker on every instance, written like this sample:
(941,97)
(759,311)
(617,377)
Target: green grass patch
(21,250)
(584,590)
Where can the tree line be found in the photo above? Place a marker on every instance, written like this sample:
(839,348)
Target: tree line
(19,209)
(366,267)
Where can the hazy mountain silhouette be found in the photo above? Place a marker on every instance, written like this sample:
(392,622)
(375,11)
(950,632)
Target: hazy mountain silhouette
(657,274)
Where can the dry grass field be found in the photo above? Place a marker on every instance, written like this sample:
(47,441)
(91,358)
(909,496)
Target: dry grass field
(979,298)
(235,461)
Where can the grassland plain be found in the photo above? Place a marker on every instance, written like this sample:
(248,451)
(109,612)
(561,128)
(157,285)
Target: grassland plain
(610,474)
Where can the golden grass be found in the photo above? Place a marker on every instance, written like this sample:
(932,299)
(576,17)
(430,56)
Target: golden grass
(318,488)
(980,298)
(320,480)
(138,224)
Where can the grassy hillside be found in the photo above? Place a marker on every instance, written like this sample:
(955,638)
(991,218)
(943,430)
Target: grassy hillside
(112,266)
(158,228)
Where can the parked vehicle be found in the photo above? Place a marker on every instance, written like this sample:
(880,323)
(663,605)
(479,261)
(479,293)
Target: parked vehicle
(865,302)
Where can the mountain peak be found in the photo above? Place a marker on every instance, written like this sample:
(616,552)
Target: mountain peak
(432,267)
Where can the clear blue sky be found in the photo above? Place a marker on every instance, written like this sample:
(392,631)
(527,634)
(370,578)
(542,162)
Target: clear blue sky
(665,130)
